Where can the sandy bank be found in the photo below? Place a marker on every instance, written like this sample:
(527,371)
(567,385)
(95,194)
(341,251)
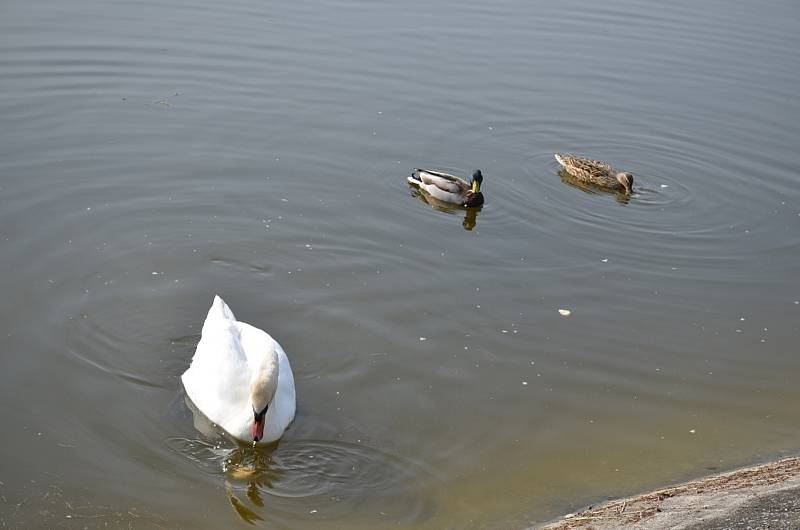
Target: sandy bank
(741,496)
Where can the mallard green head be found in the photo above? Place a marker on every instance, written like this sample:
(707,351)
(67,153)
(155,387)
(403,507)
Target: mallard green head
(477,179)
(474,197)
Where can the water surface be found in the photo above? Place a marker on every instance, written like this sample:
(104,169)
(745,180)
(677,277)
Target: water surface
(153,154)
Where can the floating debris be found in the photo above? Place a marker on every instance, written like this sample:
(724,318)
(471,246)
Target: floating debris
(564,312)
(421,339)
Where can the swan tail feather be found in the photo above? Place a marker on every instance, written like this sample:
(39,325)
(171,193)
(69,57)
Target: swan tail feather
(219,309)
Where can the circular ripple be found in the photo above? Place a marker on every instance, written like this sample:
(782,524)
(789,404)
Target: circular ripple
(333,476)
(120,335)
(542,192)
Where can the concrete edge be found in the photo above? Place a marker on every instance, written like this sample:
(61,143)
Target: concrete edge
(677,507)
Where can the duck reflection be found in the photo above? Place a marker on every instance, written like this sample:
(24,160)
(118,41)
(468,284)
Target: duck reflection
(592,189)
(470,214)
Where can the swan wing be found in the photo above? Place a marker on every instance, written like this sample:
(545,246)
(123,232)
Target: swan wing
(218,379)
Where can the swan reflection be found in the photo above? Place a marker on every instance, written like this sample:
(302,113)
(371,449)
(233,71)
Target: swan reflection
(248,470)
(245,468)
(283,479)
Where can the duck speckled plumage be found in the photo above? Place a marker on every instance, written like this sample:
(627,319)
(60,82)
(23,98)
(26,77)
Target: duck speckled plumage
(449,188)
(596,172)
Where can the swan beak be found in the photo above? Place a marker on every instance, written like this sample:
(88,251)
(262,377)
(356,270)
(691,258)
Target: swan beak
(258,428)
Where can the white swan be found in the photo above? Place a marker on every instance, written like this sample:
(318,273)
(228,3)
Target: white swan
(240,378)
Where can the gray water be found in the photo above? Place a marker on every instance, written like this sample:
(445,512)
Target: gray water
(153,154)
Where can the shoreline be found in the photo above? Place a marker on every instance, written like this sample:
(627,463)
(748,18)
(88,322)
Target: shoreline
(740,495)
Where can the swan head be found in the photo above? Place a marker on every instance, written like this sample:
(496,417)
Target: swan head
(263,384)
(626,179)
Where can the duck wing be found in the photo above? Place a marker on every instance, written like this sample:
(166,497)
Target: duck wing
(443,181)
(582,166)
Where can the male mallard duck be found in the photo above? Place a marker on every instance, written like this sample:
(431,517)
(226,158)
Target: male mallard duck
(449,188)
(240,378)
(595,172)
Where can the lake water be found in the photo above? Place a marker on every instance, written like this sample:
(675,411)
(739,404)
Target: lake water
(153,154)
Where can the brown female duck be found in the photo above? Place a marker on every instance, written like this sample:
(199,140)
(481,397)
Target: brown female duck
(596,172)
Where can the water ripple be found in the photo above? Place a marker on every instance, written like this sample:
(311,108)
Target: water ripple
(332,478)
